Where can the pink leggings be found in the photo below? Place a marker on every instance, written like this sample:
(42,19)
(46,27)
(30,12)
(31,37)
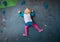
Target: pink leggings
(34,25)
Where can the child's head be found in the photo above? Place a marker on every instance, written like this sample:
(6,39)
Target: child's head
(27,11)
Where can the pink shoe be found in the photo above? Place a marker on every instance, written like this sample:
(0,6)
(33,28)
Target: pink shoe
(24,34)
(40,30)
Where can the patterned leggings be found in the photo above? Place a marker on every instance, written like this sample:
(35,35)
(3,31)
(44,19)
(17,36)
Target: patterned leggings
(35,26)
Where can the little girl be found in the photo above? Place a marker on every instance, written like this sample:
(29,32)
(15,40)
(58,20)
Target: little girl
(28,20)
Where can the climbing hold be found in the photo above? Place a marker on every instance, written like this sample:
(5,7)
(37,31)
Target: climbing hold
(45,25)
(4,3)
(46,5)
(1,31)
(23,2)
(28,38)
(3,12)
(3,20)
(4,28)
(17,39)
(6,38)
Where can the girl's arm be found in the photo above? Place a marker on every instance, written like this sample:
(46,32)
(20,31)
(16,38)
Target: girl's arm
(20,13)
(33,13)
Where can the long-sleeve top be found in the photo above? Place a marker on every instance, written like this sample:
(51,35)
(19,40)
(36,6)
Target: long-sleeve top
(27,18)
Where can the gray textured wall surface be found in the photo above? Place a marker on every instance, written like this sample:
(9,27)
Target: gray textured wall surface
(13,28)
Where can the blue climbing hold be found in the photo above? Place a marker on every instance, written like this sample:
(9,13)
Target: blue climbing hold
(3,12)
(4,3)
(1,31)
(23,2)
(46,5)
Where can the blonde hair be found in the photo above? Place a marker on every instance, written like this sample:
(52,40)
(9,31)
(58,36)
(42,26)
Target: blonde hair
(27,11)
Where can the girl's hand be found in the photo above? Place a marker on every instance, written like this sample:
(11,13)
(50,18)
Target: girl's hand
(32,10)
(19,11)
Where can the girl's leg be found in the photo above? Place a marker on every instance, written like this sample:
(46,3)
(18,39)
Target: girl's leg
(26,31)
(36,27)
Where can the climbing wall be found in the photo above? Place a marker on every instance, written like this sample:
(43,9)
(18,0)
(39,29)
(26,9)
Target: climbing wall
(47,17)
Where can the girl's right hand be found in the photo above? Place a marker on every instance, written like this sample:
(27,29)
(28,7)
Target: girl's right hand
(19,11)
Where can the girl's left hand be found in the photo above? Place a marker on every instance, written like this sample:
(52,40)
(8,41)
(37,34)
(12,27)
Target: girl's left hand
(32,10)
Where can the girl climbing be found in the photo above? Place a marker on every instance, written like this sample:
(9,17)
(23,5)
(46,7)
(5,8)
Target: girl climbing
(28,20)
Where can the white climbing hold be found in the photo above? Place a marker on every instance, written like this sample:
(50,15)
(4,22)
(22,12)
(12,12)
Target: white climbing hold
(45,25)
(3,20)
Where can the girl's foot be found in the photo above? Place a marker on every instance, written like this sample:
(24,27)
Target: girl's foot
(40,30)
(24,34)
